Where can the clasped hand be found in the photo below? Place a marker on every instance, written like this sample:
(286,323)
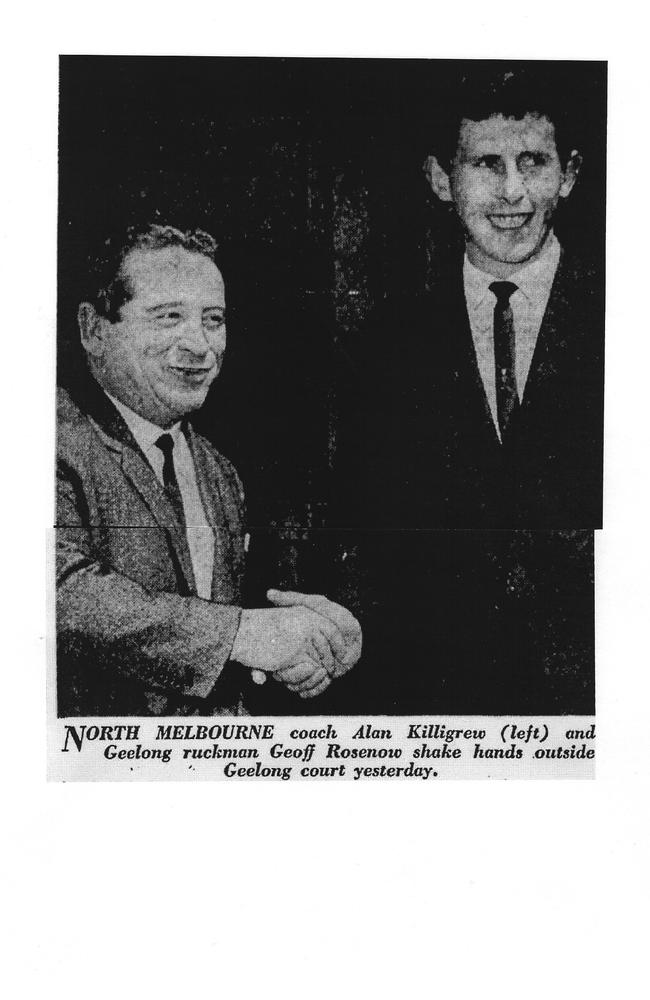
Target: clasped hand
(305,641)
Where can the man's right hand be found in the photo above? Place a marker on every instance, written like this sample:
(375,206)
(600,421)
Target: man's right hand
(346,623)
(296,644)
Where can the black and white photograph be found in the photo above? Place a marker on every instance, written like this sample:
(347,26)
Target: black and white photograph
(377,493)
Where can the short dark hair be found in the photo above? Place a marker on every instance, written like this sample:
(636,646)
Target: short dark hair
(547,91)
(111,287)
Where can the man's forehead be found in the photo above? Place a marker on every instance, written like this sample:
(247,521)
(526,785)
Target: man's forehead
(151,269)
(501,132)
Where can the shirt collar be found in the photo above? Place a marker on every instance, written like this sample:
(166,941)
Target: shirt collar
(533,279)
(145,433)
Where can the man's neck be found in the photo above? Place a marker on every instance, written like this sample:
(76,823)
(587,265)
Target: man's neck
(114,397)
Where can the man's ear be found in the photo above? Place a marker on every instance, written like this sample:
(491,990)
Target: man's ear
(92,329)
(438,179)
(571,173)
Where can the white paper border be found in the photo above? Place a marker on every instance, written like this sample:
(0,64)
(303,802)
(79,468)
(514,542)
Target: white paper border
(376,890)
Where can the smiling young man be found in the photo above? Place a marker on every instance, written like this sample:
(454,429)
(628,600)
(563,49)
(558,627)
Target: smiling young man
(150,537)
(480,402)
(478,406)
(506,179)
(520,321)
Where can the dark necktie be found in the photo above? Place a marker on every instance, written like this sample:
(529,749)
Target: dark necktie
(166,444)
(504,355)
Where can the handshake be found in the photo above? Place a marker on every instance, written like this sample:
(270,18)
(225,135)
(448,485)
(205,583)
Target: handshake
(305,641)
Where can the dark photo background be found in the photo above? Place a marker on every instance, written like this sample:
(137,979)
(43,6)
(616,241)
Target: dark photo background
(309,173)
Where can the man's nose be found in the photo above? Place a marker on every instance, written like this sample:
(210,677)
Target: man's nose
(193,338)
(512,186)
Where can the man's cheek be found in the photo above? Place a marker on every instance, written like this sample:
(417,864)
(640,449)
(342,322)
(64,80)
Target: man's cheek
(476,203)
(467,208)
(545,192)
(156,352)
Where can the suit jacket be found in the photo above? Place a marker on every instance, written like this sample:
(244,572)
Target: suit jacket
(471,622)
(420,448)
(474,620)
(133,637)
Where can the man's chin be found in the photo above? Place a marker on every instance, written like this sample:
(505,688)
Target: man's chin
(517,247)
(510,253)
(191,399)
(178,404)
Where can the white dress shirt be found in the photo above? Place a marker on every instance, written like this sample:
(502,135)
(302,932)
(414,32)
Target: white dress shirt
(200,537)
(528,303)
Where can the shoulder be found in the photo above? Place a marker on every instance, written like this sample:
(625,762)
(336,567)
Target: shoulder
(580,275)
(578,295)
(86,433)
(73,428)
(67,411)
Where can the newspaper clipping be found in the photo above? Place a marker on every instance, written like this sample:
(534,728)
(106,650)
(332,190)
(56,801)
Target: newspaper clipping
(329,419)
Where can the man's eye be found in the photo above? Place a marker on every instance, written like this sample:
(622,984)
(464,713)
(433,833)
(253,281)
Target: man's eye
(168,318)
(529,160)
(213,321)
(487,162)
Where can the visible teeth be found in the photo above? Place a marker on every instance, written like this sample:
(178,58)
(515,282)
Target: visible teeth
(508,221)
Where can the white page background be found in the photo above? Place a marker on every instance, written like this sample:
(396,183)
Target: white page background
(361,890)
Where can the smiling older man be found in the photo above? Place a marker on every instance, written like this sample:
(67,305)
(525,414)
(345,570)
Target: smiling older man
(150,541)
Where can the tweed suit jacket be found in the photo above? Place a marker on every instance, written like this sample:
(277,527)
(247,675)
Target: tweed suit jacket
(133,637)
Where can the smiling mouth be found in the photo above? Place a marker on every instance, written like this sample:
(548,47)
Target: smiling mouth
(193,374)
(512,221)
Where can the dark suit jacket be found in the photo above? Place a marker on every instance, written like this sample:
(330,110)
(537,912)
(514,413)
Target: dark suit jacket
(133,638)
(420,448)
(474,620)
(470,622)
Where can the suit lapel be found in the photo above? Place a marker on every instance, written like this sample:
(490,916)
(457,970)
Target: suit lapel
(213,505)
(465,371)
(549,356)
(116,436)
(138,471)
(550,351)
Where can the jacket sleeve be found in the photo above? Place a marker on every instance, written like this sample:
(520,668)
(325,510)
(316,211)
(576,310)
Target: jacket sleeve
(176,644)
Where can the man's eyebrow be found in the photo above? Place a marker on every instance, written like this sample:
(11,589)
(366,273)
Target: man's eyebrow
(217,307)
(468,157)
(533,149)
(163,305)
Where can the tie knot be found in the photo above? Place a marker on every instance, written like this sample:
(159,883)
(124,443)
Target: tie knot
(503,290)
(166,444)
